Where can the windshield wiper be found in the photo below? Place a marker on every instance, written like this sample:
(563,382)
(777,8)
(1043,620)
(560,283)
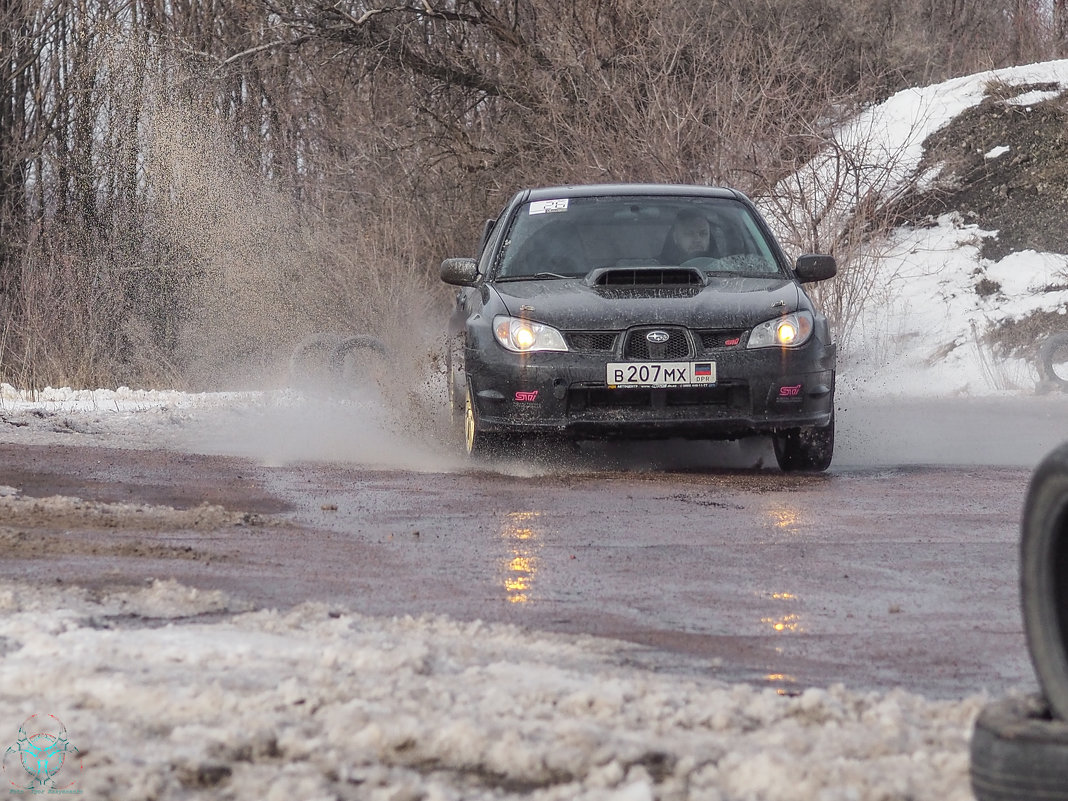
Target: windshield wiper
(536,277)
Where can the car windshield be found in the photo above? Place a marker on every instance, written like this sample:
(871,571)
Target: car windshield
(569,237)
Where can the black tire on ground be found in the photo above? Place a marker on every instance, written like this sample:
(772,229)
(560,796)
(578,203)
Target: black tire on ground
(1019,752)
(1053,360)
(808,449)
(1044,576)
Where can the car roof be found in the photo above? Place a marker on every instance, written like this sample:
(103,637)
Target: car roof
(602,190)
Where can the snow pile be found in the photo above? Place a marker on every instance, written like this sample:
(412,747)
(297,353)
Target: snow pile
(65,510)
(920,330)
(122,399)
(925,335)
(321,703)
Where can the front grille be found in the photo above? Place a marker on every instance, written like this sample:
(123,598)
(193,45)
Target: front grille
(591,341)
(639,347)
(714,340)
(588,398)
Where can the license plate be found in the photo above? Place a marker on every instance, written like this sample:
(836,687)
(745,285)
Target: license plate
(621,375)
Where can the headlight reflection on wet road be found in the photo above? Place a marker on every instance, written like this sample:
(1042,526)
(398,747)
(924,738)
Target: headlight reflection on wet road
(785,518)
(789,622)
(521,563)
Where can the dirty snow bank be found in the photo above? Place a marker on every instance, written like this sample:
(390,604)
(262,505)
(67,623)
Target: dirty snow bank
(321,703)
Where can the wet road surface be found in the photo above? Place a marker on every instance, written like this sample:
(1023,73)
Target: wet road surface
(870,576)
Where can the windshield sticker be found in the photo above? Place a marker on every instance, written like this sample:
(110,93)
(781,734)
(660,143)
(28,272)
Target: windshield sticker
(548,206)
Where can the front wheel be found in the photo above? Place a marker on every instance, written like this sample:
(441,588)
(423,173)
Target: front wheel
(479,443)
(807,449)
(456,390)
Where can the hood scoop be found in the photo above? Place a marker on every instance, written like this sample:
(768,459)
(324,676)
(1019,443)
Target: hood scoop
(653,277)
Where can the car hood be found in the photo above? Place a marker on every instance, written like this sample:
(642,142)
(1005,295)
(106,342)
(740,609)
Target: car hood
(724,302)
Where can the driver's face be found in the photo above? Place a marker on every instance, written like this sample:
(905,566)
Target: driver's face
(692,236)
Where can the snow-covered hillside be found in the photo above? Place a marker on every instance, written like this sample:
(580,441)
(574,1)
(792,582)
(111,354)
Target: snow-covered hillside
(955,300)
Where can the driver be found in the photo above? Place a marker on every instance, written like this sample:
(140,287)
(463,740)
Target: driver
(690,236)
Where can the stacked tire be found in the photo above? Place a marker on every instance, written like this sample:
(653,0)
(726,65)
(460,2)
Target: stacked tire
(329,361)
(1019,747)
(1053,363)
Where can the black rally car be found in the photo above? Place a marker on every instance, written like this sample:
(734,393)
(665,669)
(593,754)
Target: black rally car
(639,311)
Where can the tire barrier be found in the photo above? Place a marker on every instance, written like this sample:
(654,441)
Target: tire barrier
(350,350)
(1019,748)
(1053,362)
(1044,577)
(329,362)
(1019,752)
(312,360)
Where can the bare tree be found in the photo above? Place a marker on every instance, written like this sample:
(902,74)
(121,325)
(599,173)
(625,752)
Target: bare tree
(312,160)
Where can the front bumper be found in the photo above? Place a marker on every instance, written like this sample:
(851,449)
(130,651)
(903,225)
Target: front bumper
(758,391)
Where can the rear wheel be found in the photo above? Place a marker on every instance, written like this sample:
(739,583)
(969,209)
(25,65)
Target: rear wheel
(808,449)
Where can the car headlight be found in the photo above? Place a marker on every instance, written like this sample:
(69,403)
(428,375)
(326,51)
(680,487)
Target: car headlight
(787,331)
(523,336)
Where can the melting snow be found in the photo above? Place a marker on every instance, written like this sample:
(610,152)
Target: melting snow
(321,703)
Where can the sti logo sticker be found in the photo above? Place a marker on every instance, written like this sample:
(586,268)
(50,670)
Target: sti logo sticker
(526,397)
(789,392)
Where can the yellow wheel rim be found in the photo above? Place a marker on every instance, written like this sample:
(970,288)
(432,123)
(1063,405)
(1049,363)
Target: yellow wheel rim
(469,425)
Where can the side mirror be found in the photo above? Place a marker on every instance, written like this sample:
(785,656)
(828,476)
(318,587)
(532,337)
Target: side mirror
(459,272)
(815,267)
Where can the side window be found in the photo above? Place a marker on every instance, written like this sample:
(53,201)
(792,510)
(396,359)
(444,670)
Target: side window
(490,243)
(487,229)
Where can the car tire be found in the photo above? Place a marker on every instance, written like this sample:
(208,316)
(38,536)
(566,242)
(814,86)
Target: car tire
(1053,361)
(479,443)
(1044,576)
(311,365)
(356,345)
(1019,752)
(804,449)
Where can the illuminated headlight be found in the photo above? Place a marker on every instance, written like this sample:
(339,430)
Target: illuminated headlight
(783,332)
(523,336)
